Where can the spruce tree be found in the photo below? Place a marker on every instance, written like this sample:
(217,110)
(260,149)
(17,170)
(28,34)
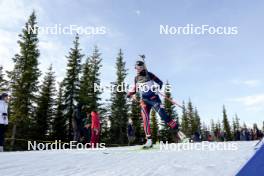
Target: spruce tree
(168,107)
(59,129)
(213,126)
(197,120)
(137,120)
(171,112)
(244,125)
(191,119)
(237,122)
(255,126)
(91,71)
(217,130)
(154,126)
(3,82)
(119,107)
(104,119)
(95,66)
(185,121)
(45,107)
(72,83)
(24,81)
(234,128)
(218,125)
(85,83)
(204,131)
(226,126)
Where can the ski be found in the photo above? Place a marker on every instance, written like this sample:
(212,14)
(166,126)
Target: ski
(146,148)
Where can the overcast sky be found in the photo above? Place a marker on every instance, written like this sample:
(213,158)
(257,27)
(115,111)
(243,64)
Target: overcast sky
(212,70)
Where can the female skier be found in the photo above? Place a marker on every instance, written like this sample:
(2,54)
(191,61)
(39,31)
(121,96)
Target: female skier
(144,84)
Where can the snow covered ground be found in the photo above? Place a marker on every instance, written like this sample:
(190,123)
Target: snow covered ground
(126,161)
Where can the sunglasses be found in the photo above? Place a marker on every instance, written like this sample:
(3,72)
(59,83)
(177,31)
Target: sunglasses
(139,67)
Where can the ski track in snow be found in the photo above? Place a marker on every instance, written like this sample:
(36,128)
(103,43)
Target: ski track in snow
(125,161)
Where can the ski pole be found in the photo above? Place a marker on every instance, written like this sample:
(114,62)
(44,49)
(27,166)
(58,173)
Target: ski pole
(171,100)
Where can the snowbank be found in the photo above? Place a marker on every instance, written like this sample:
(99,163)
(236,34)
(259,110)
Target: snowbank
(128,161)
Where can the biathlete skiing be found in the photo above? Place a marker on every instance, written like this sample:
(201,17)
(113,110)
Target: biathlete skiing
(149,98)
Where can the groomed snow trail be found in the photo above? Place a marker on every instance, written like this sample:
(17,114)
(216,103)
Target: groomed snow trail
(126,161)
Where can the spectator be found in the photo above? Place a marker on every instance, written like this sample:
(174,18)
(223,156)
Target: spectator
(77,122)
(87,128)
(3,119)
(130,132)
(95,129)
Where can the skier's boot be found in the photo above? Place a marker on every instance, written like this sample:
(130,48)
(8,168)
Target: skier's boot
(183,137)
(148,144)
(174,127)
(180,136)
